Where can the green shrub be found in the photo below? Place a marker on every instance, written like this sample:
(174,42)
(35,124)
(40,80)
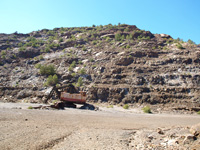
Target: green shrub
(3,53)
(73,74)
(127,46)
(108,39)
(82,71)
(20,44)
(80,62)
(51,80)
(146,109)
(190,42)
(47,70)
(50,32)
(14,56)
(198,112)
(22,49)
(38,66)
(110,106)
(94,42)
(35,45)
(70,69)
(122,38)
(60,40)
(3,57)
(73,64)
(127,30)
(126,106)
(91,60)
(80,81)
(41,57)
(47,49)
(30,107)
(179,46)
(118,37)
(84,48)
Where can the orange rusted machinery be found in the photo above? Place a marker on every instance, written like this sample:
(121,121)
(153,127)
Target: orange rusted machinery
(68,95)
(73,98)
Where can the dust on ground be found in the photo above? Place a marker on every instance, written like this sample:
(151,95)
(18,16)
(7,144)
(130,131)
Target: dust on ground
(107,128)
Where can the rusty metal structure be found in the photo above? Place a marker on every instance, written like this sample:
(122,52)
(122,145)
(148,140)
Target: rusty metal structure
(68,95)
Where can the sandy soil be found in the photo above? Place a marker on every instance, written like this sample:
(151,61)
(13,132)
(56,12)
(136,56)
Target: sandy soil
(24,129)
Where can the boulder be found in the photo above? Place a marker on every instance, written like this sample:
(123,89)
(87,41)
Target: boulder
(29,53)
(188,139)
(24,94)
(165,36)
(67,77)
(116,70)
(124,61)
(108,35)
(195,130)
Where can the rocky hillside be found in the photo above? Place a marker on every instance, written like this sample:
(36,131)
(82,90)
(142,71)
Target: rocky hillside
(114,64)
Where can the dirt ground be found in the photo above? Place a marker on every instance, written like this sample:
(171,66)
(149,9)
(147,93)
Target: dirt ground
(108,128)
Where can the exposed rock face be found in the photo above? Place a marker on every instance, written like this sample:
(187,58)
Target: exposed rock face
(124,61)
(24,94)
(117,64)
(29,53)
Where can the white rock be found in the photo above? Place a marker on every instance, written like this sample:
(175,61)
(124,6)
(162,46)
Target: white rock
(76,69)
(121,53)
(98,54)
(171,142)
(85,60)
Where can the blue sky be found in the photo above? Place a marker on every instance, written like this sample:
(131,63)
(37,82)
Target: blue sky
(178,18)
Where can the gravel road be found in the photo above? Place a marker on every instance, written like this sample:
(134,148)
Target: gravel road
(25,129)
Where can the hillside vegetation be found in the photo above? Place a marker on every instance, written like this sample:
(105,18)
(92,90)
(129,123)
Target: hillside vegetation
(117,64)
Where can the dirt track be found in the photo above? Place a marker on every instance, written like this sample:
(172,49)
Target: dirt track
(79,129)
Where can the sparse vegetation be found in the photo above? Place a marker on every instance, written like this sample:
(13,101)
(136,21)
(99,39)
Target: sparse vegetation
(110,106)
(82,71)
(198,112)
(94,42)
(126,106)
(190,42)
(127,46)
(60,40)
(146,109)
(38,66)
(51,80)
(73,74)
(105,56)
(94,66)
(3,53)
(91,60)
(80,82)
(118,36)
(41,57)
(30,107)
(22,48)
(179,46)
(84,48)
(73,65)
(47,70)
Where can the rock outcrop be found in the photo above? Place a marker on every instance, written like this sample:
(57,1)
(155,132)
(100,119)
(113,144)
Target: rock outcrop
(117,64)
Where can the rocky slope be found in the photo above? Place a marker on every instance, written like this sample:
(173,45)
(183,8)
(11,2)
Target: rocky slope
(117,64)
